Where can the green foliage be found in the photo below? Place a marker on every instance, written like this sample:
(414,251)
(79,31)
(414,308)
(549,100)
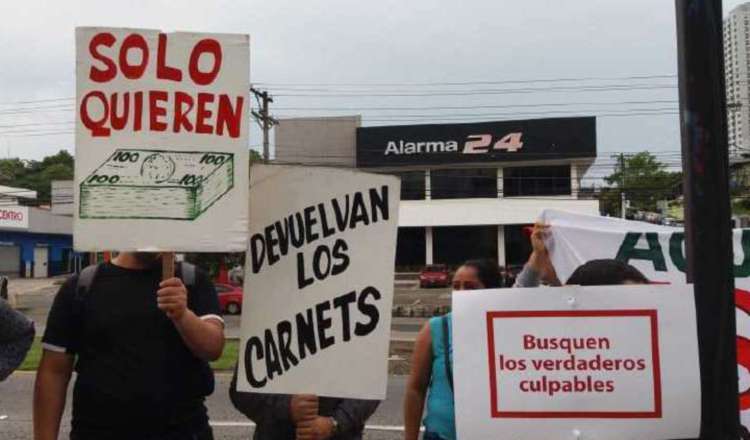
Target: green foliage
(228,358)
(255,156)
(37,175)
(644,180)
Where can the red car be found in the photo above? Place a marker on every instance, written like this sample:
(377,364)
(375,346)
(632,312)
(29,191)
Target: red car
(434,275)
(230,298)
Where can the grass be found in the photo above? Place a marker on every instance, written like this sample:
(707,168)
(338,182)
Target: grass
(225,363)
(228,359)
(33,356)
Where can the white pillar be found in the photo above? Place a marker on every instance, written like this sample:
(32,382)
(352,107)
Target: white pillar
(500,193)
(501,245)
(575,182)
(428,244)
(427,185)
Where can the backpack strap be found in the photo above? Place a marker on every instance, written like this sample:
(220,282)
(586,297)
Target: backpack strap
(85,280)
(187,274)
(83,287)
(446,350)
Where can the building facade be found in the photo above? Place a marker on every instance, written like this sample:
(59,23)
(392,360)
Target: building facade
(34,242)
(468,190)
(737,77)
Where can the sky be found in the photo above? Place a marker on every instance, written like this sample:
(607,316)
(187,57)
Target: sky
(613,59)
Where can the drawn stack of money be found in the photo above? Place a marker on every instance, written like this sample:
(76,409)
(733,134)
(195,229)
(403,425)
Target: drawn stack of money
(154,184)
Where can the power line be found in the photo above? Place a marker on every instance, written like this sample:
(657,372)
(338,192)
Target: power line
(436,93)
(461,83)
(472,107)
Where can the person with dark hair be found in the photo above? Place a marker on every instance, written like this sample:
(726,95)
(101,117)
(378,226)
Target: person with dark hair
(606,272)
(486,271)
(140,346)
(432,371)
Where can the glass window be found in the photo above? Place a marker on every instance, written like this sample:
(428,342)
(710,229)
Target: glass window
(537,181)
(412,185)
(463,183)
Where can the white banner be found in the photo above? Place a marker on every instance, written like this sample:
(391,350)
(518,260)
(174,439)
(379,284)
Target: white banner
(615,362)
(658,252)
(318,282)
(161,140)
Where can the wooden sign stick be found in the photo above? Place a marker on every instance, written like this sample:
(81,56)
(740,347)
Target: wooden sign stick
(167,265)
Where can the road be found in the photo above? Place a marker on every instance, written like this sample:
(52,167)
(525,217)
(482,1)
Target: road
(16,395)
(34,298)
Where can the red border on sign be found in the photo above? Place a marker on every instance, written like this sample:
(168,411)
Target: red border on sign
(494,399)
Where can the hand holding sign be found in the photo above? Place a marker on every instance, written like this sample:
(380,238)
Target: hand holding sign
(303,407)
(172,298)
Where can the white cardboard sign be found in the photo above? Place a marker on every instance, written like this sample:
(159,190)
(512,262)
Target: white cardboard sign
(615,362)
(161,140)
(318,282)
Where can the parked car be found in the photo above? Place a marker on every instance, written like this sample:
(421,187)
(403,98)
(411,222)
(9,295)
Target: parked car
(230,298)
(434,275)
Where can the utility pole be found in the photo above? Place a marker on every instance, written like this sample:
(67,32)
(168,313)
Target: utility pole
(623,198)
(708,234)
(263,118)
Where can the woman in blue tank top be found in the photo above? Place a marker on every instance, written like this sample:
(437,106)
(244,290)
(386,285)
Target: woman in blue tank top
(432,362)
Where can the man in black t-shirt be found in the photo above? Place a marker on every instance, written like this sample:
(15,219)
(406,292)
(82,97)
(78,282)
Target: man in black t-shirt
(140,347)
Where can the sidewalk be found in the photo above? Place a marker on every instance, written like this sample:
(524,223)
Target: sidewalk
(21,290)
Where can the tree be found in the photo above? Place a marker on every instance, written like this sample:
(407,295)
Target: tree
(644,180)
(37,175)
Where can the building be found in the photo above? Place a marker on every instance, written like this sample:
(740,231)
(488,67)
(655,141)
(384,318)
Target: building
(34,242)
(737,76)
(467,190)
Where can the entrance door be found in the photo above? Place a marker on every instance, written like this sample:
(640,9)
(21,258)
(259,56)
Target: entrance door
(10,260)
(41,262)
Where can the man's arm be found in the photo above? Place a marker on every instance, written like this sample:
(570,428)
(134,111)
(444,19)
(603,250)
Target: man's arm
(204,337)
(50,390)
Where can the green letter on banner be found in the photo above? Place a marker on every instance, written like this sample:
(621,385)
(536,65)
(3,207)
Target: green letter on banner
(675,251)
(654,253)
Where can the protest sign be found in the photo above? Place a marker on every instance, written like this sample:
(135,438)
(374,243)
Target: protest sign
(318,282)
(658,252)
(614,362)
(161,140)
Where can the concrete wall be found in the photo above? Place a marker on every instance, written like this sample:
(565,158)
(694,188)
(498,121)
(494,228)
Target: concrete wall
(317,140)
(475,212)
(45,222)
(62,197)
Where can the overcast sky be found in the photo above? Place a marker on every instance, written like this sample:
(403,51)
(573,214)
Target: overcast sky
(409,43)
